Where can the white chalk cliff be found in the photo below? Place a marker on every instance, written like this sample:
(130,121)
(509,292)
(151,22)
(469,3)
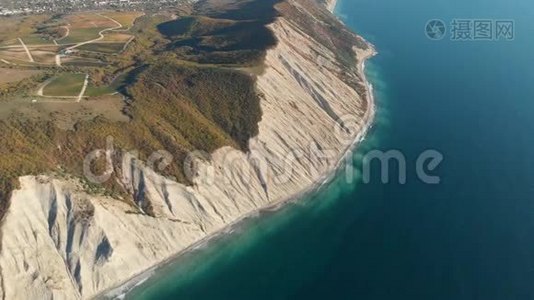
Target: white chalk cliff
(58,242)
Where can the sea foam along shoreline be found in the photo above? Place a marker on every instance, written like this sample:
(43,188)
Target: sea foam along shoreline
(331,5)
(120,291)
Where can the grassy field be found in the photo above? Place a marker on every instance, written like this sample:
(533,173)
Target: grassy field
(35,39)
(26,28)
(44,57)
(88,20)
(43,29)
(126,18)
(14,75)
(13,42)
(16,55)
(45,54)
(97,91)
(85,27)
(65,85)
(119,83)
(116,37)
(108,48)
(78,35)
(81,62)
(19,27)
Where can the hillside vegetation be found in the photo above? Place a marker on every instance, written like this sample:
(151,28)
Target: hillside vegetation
(234,35)
(184,90)
(183,93)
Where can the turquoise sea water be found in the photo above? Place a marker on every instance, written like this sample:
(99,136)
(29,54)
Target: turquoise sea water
(470,237)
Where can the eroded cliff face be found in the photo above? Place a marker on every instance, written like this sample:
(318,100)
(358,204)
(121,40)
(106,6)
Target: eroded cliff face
(58,242)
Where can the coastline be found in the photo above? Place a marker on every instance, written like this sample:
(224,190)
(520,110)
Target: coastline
(331,5)
(120,291)
(314,108)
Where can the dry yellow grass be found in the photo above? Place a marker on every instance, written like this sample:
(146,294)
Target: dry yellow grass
(116,37)
(14,54)
(65,85)
(126,18)
(80,60)
(45,54)
(14,75)
(85,26)
(13,42)
(44,57)
(66,113)
(88,20)
(19,27)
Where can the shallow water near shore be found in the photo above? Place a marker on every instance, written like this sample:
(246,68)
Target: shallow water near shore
(470,237)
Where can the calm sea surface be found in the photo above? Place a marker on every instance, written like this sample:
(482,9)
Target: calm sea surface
(469,237)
